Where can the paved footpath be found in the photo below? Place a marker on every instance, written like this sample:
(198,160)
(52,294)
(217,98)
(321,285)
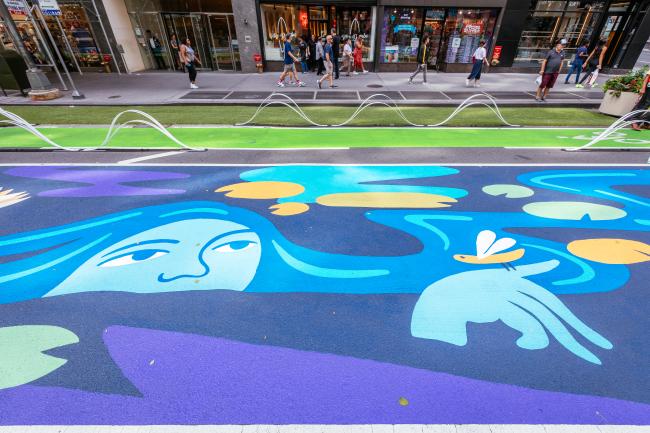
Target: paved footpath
(231,88)
(362,290)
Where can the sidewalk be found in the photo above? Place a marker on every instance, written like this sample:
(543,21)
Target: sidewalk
(155,88)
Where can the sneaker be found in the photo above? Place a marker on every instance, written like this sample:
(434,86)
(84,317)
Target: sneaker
(365,72)
(333,86)
(355,73)
(410,81)
(301,84)
(424,83)
(466,82)
(280,84)
(477,85)
(320,85)
(193,86)
(579,86)
(537,99)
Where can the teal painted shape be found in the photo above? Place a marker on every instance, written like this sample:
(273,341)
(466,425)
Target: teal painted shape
(21,352)
(573,210)
(323,180)
(488,295)
(508,190)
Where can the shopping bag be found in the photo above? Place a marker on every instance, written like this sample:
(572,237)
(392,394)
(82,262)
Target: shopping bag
(592,78)
(538,80)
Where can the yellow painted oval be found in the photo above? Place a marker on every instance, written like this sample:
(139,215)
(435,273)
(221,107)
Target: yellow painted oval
(611,251)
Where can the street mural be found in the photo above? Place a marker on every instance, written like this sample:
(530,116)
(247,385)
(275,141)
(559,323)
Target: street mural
(324,294)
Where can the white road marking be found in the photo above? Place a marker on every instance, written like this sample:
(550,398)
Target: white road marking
(148,157)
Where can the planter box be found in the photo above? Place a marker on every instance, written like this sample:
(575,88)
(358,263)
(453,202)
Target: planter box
(618,106)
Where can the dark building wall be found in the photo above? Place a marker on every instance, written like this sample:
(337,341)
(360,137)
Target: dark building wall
(512,24)
(641,36)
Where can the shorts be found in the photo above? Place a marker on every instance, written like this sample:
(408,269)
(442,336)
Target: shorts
(329,67)
(548,80)
(289,68)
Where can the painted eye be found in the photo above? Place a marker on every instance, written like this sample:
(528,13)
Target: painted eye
(234,246)
(134,257)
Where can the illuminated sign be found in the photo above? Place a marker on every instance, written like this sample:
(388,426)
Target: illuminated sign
(473,29)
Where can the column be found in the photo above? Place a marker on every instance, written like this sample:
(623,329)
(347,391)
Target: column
(248,32)
(118,18)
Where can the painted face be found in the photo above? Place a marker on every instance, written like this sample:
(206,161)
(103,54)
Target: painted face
(198,254)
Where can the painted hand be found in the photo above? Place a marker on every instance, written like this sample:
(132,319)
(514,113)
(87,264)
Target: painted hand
(489,295)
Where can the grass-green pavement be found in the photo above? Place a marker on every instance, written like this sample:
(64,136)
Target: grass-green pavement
(327,137)
(282,116)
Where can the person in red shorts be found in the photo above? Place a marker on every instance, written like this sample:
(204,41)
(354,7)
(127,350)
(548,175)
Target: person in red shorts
(551,68)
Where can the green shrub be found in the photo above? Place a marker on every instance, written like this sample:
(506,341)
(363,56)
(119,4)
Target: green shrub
(630,82)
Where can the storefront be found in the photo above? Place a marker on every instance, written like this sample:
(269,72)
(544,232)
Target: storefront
(209,24)
(307,21)
(454,34)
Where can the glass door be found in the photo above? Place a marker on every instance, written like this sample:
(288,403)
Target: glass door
(221,43)
(189,26)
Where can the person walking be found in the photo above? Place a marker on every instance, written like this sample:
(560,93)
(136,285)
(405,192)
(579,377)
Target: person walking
(348,59)
(329,64)
(551,68)
(289,64)
(358,56)
(577,62)
(480,57)
(176,59)
(594,62)
(320,54)
(643,120)
(422,61)
(190,59)
(336,49)
(304,55)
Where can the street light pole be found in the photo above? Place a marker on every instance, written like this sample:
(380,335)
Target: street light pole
(37,78)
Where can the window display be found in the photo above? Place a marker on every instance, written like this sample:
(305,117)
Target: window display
(401,33)
(278,20)
(357,23)
(78,32)
(433,26)
(464,29)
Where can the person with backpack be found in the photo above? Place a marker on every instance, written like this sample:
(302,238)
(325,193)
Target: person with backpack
(578,62)
(594,62)
(422,61)
(480,57)
(550,70)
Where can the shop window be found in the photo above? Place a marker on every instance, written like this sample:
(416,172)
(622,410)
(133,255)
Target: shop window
(356,23)
(400,35)
(434,25)
(549,21)
(277,21)
(79,34)
(464,29)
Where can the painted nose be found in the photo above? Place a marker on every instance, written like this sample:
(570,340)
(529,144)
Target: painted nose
(196,269)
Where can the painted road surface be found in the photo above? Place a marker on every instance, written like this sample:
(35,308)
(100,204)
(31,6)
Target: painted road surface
(324,295)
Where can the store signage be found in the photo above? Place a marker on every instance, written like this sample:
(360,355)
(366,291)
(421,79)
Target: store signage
(16,7)
(49,7)
(455,42)
(473,29)
(496,54)
(391,54)
(404,28)
(304,19)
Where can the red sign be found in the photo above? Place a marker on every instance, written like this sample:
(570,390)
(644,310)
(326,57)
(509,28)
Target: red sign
(496,54)
(473,29)
(304,19)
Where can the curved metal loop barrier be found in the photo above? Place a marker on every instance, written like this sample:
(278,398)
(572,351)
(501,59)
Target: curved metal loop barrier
(621,123)
(15,120)
(376,99)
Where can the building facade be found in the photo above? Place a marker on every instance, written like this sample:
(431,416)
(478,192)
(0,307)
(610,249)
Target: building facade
(228,34)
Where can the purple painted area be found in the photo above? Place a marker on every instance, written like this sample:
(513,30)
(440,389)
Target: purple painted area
(103,183)
(190,379)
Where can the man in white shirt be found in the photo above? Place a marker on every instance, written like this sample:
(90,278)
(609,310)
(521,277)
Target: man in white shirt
(480,57)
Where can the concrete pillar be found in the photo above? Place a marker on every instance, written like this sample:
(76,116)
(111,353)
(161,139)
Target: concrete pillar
(248,33)
(123,32)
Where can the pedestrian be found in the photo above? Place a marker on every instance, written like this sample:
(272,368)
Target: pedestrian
(304,54)
(551,68)
(594,62)
(577,62)
(289,64)
(329,64)
(644,102)
(479,58)
(422,60)
(336,49)
(320,54)
(348,59)
(190,59)
(358,56)
(312,52)
(175,52)
(156,49)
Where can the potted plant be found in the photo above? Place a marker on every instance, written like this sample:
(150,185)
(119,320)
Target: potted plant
(106,62)
(622,92)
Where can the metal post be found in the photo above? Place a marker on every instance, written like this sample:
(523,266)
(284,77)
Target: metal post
(75,93)
(67,44)
(37,79)
(110,48)
(41,38)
